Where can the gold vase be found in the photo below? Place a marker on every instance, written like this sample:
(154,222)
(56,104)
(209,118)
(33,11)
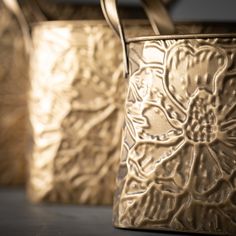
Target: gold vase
(76,111)
(178,162)
(14,81)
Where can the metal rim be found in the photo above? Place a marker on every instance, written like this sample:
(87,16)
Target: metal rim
(182,36)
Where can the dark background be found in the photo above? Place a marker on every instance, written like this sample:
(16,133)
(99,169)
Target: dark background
(191,9)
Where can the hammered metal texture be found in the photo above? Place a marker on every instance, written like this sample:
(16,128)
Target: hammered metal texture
(13,101)
(178,163)
(14,84)
(76,112)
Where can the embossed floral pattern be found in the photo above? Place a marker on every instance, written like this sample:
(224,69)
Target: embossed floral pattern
(178,166)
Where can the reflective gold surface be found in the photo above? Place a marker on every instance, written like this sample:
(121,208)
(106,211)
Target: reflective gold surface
(13,101)
(14,84)
(76,111)
(178,163)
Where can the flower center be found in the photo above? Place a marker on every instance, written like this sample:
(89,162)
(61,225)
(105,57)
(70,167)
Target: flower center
(201,125)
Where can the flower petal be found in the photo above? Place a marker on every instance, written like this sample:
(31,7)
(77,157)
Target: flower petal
(226,110)
(203,218)
(204,177)
(147,81)
(189,67)
(148,154)
(226,156)
(149,119)
(174,172)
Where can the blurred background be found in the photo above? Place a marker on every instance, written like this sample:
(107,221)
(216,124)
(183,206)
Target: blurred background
(189,9)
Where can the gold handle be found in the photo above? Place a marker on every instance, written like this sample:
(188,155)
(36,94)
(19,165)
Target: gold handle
(156,12)
(14,7)
(159,17)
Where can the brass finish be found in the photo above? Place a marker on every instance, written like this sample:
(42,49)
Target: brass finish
(178,162)
(76,111)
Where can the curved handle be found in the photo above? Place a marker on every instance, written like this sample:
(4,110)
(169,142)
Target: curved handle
(156,12)
(109,8)
(159,17)
(14,7)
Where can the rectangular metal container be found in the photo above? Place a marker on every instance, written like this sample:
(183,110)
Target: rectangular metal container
(76,111)
(178,162)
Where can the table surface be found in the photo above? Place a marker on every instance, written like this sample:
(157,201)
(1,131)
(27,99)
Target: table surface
(19,217)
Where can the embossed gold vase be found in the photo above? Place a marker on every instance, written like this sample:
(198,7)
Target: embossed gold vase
(178,163)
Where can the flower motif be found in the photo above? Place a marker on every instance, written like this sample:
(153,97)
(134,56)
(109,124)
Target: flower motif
(180,138)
